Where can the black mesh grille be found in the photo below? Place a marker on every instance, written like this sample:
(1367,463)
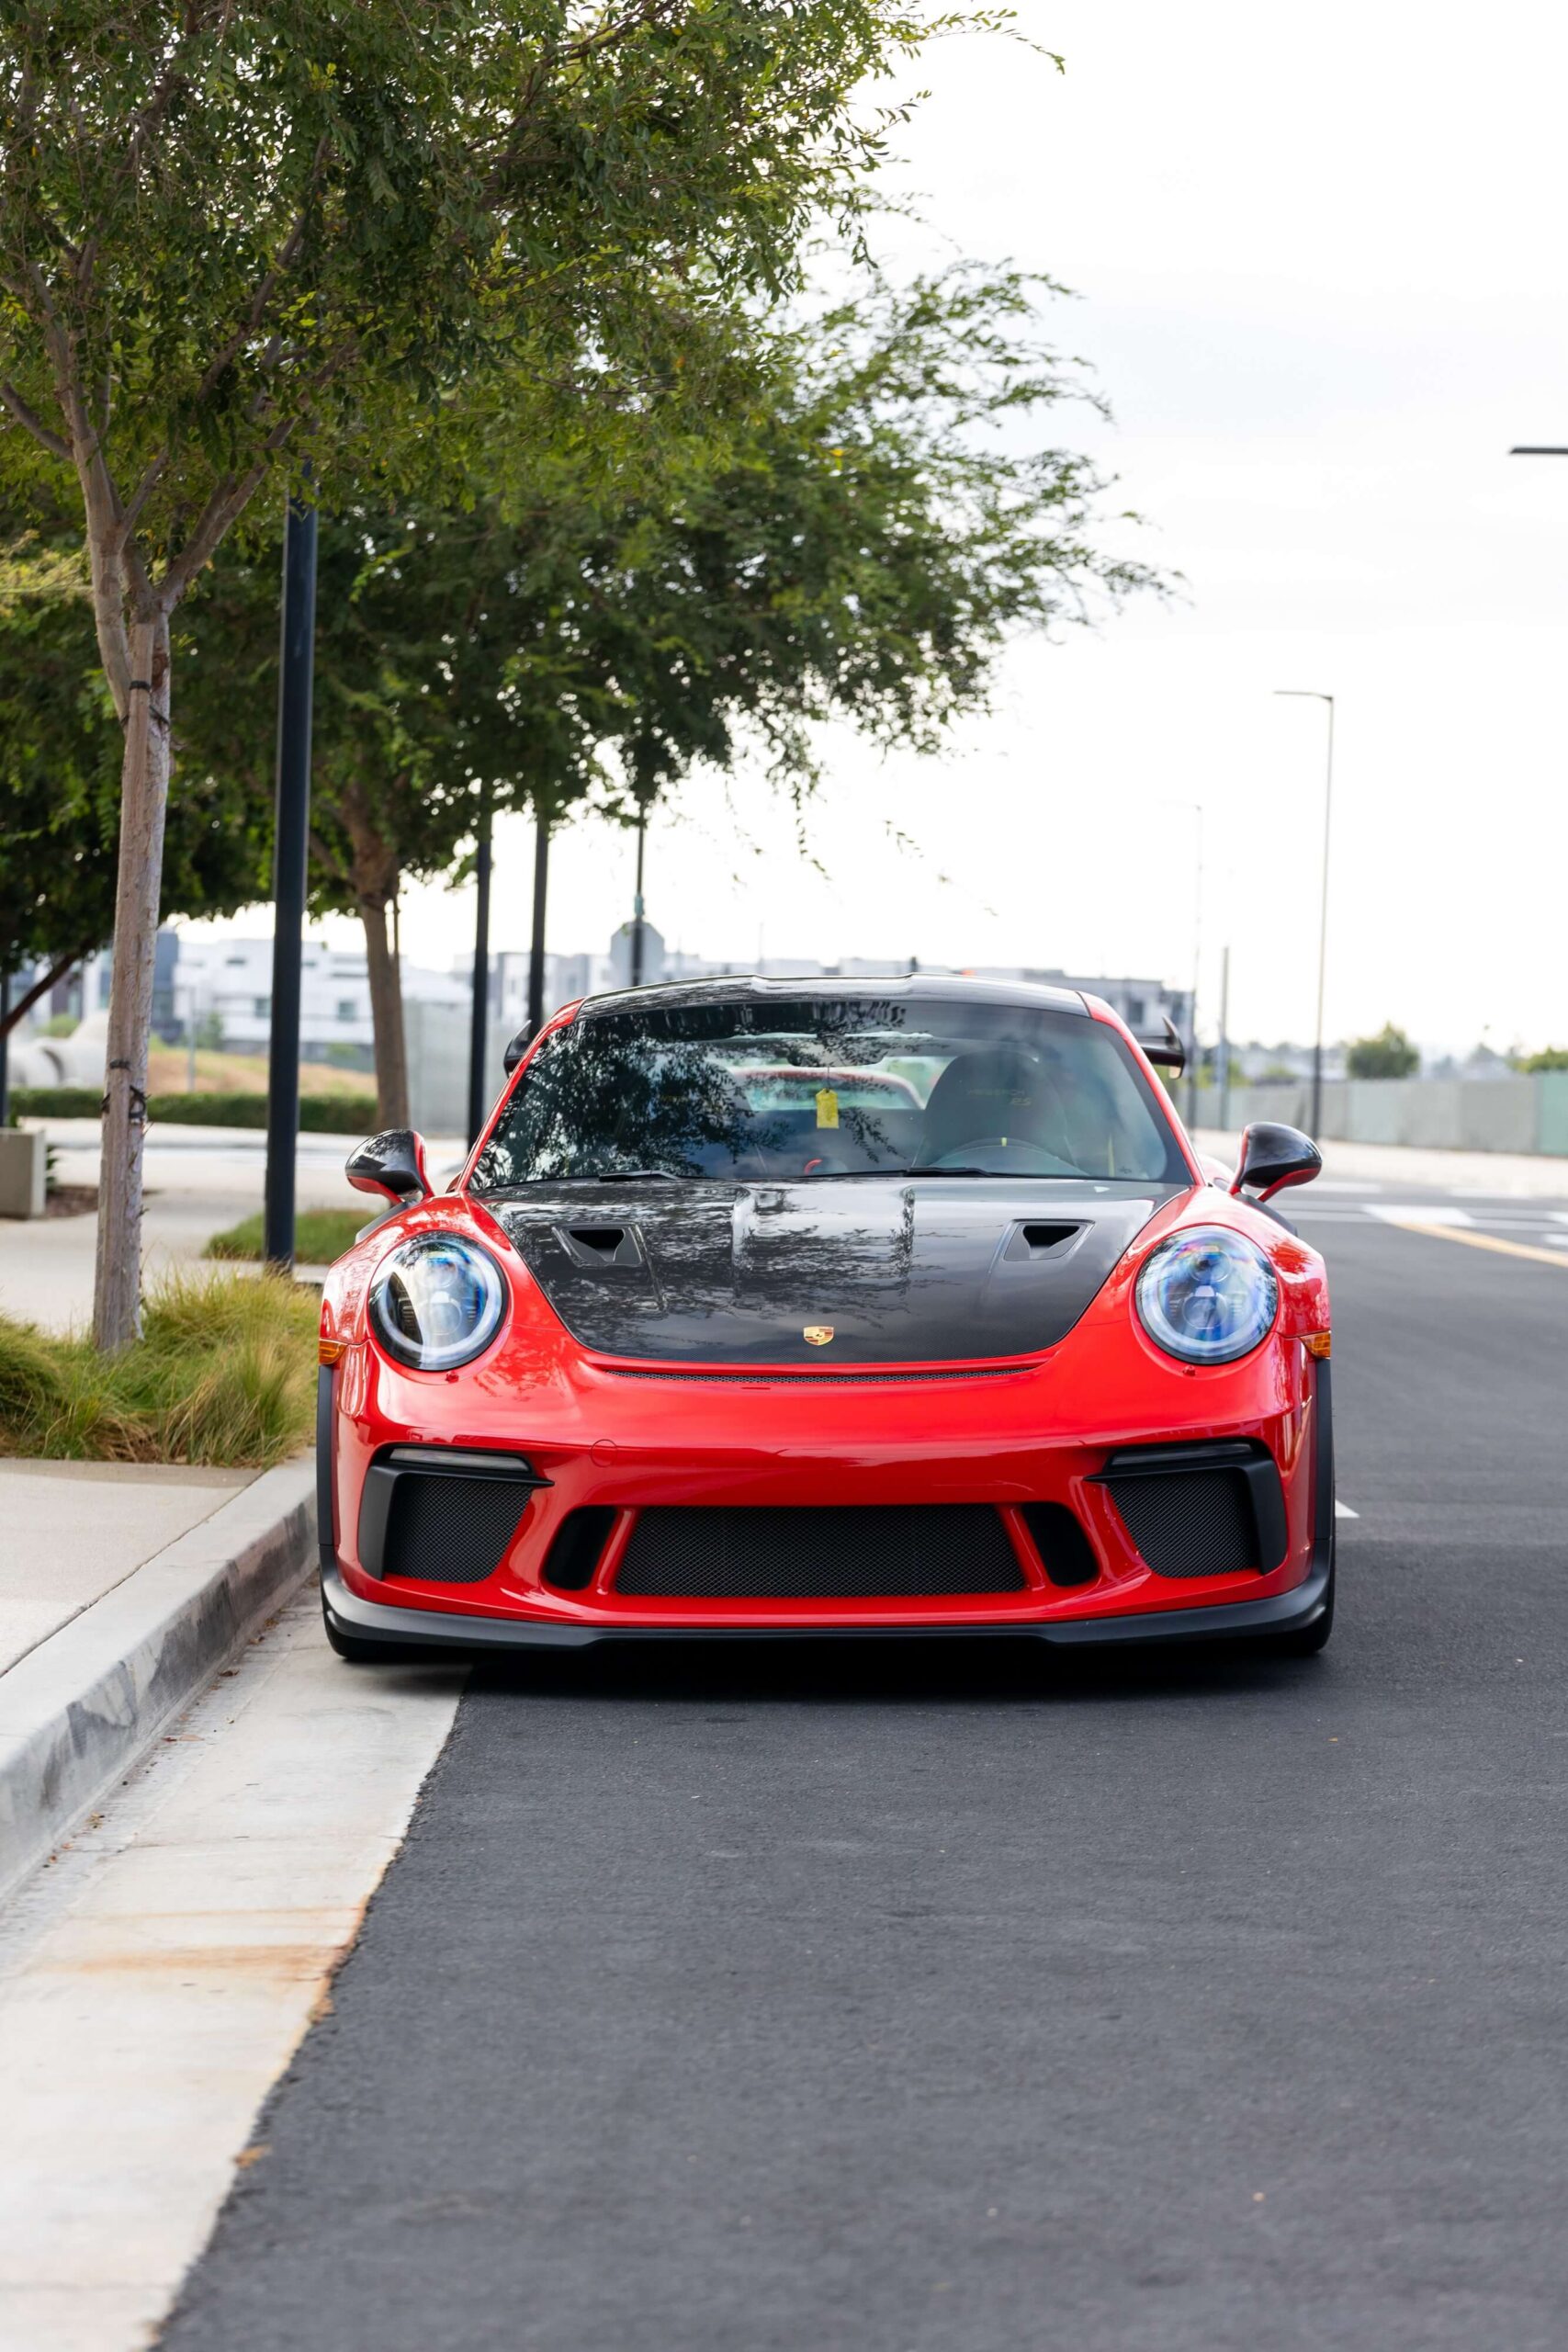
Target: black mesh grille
(862,1551)
(451,1531)
(1189,1523)
(1063,1548)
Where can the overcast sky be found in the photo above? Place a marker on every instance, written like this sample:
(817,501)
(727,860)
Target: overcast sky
(1320,264)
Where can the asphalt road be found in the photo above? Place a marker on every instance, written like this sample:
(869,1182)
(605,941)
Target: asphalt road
(993,2003)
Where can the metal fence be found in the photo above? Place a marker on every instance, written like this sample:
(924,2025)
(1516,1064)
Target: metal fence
(1520,1113)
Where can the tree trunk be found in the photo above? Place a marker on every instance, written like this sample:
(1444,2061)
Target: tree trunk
(386,1016)
(144,797)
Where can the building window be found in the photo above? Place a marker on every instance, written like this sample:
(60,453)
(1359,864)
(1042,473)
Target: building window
(261,1007)
(347,1009)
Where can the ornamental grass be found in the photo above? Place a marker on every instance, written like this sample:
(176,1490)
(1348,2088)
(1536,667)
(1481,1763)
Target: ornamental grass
(225,1375)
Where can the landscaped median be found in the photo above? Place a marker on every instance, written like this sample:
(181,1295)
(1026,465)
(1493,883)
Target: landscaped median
(226,1373)
(160,1505)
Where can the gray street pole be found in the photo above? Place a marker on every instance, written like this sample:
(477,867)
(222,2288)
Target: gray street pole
(1223,1119)
(637,902)
(291,846)
(1197,966)
(479,1015)
(536,937)
(1310,693)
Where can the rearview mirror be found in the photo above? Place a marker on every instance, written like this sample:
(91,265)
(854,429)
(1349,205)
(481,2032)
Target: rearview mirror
(517,1048)
(391,1164)
(1273,1156)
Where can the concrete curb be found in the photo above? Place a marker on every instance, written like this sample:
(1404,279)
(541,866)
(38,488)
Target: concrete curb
(81,1710)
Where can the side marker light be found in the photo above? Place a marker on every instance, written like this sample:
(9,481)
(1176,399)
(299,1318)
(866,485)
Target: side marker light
(331,1351)
(1319,1344)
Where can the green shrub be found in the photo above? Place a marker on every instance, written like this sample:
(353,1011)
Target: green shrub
(57,1101)
(320,1234)
(322,1115)
(224,1376)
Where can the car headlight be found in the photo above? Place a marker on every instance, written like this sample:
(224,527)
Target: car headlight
(1208,1296)
(437,1301)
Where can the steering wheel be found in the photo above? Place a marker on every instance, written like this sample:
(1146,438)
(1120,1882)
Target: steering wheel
(1025,1158)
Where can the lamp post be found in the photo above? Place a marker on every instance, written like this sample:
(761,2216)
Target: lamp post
(1310,693)
(1197,962)
(478,1014)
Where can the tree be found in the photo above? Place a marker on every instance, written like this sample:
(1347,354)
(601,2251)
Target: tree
(60,758)
(240,233)
(808,524)
(1387,1055)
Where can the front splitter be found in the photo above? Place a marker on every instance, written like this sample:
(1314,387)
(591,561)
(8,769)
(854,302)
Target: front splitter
(401,1629)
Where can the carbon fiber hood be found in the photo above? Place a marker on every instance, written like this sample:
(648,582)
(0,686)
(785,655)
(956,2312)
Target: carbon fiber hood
(922,1272)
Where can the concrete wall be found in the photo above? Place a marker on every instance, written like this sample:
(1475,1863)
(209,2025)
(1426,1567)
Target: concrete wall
(1441,1113)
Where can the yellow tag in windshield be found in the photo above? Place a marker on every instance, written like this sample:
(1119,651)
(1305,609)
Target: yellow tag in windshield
(827,1108)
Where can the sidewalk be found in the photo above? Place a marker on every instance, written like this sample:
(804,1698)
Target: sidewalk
(123,1589)
(74,1529)
(199,1182)
(1501,1175)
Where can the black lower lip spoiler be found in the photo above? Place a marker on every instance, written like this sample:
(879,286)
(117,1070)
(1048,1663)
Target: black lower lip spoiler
(425,1629)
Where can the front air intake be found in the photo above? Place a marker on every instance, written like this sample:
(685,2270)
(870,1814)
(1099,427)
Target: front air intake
(451,1531)
(442,1514)
(857,1551)
(1202,1509)
(1065,1551)
(578,1548)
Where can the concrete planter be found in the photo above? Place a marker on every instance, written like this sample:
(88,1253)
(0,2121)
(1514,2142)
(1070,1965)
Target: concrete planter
(24,1161)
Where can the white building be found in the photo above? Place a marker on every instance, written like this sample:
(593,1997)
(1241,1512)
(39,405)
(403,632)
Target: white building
(224,986)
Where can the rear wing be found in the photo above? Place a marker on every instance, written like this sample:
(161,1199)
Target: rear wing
(1167,1052)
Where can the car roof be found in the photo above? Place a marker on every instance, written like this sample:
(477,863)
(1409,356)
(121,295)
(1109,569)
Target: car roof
(891,988)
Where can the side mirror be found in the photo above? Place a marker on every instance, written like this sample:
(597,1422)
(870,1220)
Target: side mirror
(391,1164)
(1273,1156)
(517,1048)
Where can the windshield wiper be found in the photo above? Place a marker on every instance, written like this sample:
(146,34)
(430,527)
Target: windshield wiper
(638,1176)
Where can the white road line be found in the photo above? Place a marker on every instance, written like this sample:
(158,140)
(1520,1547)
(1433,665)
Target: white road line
(1419,1213)
(1343,1511)
(156,1982)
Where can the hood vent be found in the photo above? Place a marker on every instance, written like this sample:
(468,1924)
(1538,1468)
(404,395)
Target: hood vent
(597,1246)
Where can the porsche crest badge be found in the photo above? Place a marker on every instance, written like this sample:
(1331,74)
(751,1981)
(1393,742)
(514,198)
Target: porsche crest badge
(817,1335)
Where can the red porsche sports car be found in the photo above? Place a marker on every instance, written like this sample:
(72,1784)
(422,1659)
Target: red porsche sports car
(886,1308)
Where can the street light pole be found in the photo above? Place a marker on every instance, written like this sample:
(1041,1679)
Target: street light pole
(1197,965)
(478,1014)
(637,901)
(1310,693)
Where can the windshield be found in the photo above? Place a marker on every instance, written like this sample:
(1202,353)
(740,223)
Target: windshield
(830,1087)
